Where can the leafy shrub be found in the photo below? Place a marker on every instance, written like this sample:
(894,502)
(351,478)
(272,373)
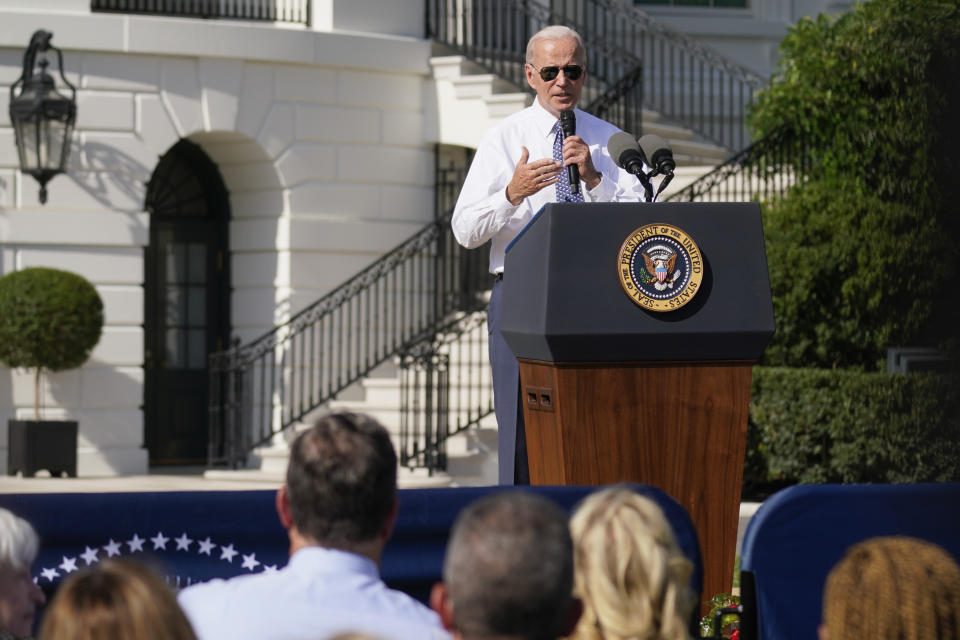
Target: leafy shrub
(49,319)
(851,275)
(816,426)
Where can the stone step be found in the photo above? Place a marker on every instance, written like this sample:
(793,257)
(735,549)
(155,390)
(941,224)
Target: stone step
(406,478)
(503,104)
(481,85)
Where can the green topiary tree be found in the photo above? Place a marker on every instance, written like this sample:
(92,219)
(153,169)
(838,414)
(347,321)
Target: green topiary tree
(49,319)
(865,254)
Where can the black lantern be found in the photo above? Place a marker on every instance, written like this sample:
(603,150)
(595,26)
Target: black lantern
(42,117)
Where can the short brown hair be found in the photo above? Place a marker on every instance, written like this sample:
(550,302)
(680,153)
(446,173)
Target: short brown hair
(115,600)
(342,480)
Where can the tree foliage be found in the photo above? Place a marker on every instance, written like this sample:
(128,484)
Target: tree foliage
(864,255)
(872,92)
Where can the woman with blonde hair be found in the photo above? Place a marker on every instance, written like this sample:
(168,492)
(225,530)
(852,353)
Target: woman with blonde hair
(895,588)
(115,600)
(630,573)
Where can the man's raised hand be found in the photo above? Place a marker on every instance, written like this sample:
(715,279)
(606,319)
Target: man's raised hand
(528,178)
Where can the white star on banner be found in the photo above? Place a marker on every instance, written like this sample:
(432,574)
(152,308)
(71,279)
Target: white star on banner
(250,562)
(227,553)
(159,541)
(69,565)
(206,546)
(136,543)
(269,568)
(112,548)
(49,574)
(89,555)
(183,542)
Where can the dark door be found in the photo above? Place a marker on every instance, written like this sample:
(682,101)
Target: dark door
(187,301)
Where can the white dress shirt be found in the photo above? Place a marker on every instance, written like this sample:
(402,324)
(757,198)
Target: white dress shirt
(319,594)
(483,211)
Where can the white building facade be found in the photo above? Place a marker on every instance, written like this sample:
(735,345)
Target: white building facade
(224,175)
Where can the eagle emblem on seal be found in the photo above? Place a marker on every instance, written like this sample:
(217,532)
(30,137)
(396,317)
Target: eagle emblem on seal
(661,265)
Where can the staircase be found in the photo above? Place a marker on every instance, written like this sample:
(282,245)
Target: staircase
(471,454)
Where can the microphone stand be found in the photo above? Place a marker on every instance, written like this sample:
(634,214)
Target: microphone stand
(644,178)
(667,177)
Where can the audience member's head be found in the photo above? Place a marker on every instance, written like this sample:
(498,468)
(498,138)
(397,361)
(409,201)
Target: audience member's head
(894,588)
(341,486)
(631,575)
(508,570)
(115,600)
(19,595)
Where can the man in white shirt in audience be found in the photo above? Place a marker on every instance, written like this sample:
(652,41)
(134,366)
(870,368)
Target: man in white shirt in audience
(339,506)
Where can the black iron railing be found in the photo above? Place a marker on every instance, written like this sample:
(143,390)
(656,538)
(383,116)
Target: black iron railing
(684,80)
(494,34)
(764,170)
(259,389)
(297,11)
(445,389)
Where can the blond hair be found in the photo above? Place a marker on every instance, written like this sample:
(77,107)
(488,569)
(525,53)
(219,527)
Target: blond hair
(115,600)
(630,573)
(893,587)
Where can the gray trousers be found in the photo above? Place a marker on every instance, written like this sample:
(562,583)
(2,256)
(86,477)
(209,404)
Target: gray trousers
(512,442)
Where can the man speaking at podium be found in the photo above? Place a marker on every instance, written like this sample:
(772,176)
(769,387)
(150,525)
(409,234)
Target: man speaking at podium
(549,152)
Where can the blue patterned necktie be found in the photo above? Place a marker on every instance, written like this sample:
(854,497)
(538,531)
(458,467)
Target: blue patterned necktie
(563,184)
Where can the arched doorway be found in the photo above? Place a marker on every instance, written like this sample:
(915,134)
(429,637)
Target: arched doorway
(187,300)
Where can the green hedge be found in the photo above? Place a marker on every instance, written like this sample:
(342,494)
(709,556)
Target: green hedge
(816,426)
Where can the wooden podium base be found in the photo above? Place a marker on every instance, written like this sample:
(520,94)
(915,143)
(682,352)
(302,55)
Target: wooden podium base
(680,427)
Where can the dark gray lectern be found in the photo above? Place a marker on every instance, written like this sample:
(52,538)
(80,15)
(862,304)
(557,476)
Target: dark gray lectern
(615,392)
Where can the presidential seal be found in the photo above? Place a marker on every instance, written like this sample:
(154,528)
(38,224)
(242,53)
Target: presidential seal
(660,267)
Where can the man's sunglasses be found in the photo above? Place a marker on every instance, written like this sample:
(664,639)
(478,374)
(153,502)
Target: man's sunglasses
(571,71)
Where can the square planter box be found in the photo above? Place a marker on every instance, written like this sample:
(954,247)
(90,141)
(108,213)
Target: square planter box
(42,444)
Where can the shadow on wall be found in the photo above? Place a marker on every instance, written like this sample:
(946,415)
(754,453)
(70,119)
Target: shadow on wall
(104,399)
(109,172)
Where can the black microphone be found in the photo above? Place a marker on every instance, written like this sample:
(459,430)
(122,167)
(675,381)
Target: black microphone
(625,151)
(628,155)
(659,154)
(568,124)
